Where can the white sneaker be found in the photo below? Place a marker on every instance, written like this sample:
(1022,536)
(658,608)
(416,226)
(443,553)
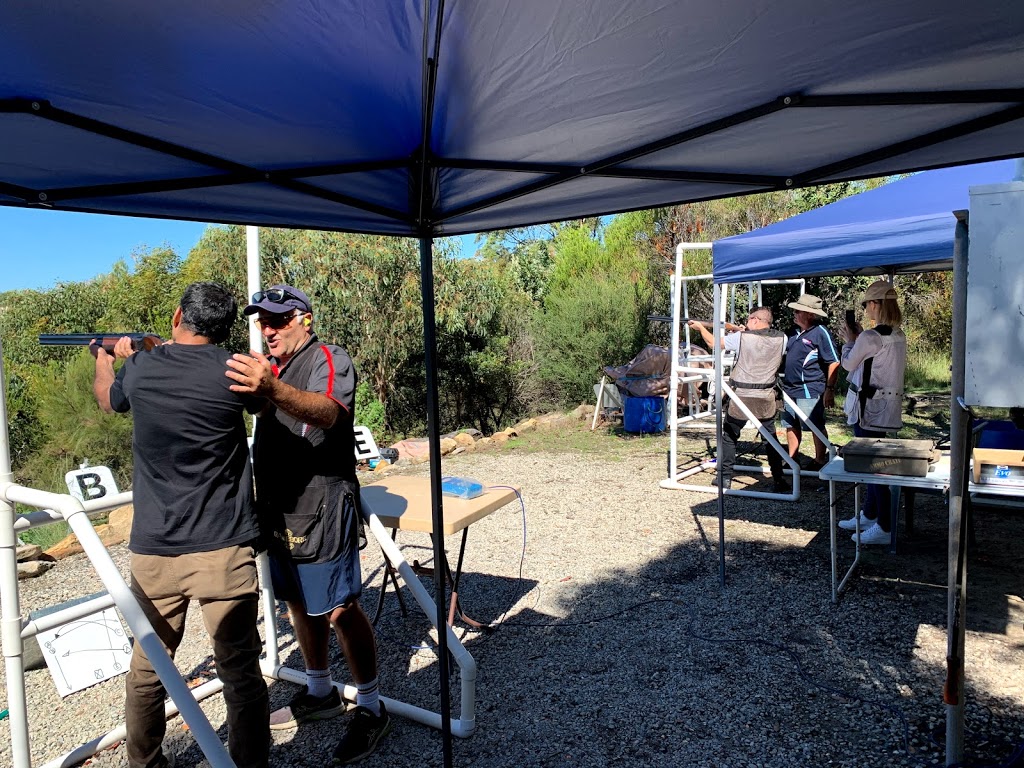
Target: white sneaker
(874,535)
(851,524)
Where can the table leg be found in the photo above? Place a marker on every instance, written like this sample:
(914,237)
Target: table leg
(894,515)
(389,572)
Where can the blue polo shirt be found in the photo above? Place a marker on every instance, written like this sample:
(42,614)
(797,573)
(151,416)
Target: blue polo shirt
(808,357)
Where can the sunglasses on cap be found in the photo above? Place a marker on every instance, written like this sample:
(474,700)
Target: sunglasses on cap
(276,322)
(276,295)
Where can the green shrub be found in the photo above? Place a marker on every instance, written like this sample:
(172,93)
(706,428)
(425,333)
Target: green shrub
(927,371)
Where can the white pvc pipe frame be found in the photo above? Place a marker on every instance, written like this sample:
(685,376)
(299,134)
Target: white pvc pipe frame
(15,628)
(680,303)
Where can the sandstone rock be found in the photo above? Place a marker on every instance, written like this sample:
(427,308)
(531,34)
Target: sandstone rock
(483,443)
(583,411)
(33,568)
(120,520)
(499,437)
(526,425)
(70,545)
(545,421)
(382,467)
(464,438)
(27,552)
(448,445)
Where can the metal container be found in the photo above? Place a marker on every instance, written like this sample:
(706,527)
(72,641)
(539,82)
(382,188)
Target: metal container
(889,456)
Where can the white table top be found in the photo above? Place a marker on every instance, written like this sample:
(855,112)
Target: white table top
(937,479)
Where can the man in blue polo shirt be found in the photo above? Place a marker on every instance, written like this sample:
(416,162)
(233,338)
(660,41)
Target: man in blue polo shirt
(812,365)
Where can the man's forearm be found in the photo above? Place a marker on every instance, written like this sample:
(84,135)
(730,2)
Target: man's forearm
(313,408)
(102,381)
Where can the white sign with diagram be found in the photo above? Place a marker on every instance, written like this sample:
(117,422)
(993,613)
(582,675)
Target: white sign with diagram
(86,651)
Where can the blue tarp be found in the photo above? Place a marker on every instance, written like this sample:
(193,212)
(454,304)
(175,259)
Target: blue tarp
(904,226)
(312,114)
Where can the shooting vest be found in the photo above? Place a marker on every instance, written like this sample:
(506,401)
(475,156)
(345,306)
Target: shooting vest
(755,373)
(879,403)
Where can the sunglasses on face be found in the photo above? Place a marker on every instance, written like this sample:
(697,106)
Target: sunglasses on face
(276,295)
(276,322)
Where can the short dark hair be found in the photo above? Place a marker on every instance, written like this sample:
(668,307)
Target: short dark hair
(209,309)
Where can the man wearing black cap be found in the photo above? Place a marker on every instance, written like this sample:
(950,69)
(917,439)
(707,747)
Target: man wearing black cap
(308,498)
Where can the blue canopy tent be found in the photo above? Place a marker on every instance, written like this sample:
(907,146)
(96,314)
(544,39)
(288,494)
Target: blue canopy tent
(424,118)
(903,226)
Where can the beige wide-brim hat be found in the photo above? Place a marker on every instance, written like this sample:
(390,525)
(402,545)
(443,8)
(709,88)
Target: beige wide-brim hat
(808,303)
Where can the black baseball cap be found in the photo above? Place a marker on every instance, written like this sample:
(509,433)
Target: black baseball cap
(279,299)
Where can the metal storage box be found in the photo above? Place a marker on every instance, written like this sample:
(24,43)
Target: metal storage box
(889,456)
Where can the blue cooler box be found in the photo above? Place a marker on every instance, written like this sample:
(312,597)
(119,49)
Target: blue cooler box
(645,415)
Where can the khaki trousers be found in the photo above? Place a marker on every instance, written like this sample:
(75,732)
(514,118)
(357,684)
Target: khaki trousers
(225,585)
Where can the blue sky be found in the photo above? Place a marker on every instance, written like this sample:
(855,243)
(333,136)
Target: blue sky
(40,248)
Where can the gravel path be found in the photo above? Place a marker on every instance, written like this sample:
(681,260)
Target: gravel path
(619,647)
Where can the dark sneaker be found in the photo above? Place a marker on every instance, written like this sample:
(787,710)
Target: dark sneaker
(781,486)
(304,708)
(813,465)
(365,731)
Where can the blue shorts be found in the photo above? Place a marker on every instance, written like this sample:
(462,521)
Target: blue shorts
(321,585)
(814,407)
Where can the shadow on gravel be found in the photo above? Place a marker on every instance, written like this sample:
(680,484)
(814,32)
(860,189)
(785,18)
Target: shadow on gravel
(602,663)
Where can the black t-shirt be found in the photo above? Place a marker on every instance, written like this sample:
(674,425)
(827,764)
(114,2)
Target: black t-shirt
(292,456)
(192,480)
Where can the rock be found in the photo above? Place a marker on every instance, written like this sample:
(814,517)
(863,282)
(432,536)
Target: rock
(120,520)
(70,545)
(548,420)
(482,443)
(33,568)
(511,432)
(500,437)
(413,448)
(583,411)
(448,445)
(382,467)
(464,438)
(28,552)
(526,425)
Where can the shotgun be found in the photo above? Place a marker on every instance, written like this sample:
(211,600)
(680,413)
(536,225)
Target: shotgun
(105,340)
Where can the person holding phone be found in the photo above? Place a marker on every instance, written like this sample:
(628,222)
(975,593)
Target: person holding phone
(876,360)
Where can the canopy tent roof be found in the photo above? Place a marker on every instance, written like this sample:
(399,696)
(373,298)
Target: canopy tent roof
(318,114)
(904,226)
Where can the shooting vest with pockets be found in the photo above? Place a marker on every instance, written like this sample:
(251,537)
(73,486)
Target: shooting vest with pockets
(868,391)
(756,371)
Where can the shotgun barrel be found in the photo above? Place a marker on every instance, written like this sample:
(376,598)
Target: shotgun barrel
(105,340)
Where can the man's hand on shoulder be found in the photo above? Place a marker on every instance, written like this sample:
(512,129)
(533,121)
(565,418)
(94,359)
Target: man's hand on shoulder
(253,374)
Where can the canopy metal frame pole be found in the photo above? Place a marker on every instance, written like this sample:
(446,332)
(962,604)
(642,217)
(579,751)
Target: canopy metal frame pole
(719,311)
(424,203)
(953,694)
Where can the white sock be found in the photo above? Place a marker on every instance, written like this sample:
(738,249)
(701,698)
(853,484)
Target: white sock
(368,696)
(318,681)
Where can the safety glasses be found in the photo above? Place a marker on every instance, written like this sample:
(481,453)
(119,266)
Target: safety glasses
(276,322)
(276,295)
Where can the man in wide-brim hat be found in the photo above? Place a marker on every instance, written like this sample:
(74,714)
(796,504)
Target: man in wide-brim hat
(811,369)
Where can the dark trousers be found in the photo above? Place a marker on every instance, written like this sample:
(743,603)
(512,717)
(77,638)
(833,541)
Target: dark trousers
(731,429)
(877,498)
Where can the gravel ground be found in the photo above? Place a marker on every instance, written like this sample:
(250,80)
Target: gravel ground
(617,644)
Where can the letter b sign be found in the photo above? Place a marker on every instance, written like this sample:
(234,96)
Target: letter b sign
(90,483)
